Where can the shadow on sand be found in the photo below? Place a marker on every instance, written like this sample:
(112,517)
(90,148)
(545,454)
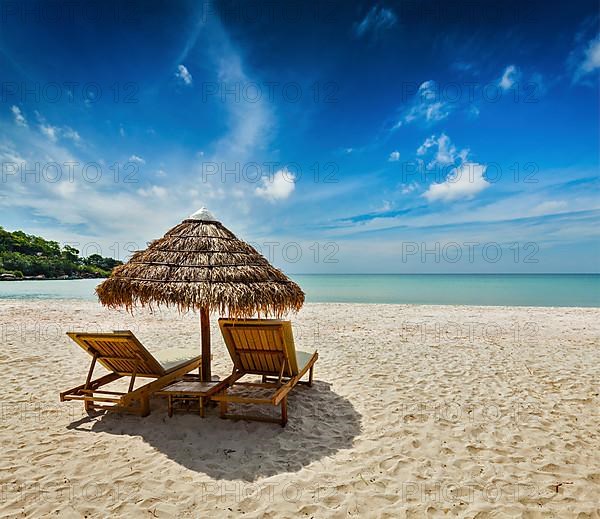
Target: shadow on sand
(320,424)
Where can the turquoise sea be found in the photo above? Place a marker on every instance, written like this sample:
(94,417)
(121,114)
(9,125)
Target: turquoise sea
(434,289)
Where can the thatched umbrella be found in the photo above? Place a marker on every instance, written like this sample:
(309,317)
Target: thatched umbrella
(200,264)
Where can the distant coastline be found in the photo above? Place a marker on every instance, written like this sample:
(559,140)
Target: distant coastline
(11,277)
(29,257)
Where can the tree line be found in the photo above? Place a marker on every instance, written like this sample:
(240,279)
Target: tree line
(26,255)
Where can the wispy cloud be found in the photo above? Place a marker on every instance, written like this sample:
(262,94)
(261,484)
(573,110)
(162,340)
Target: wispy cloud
(446,152)
(394,156)
(184,75)
(550,207)
(137,158)
(70,133)
(589,59)
(409,188)
(153,192)
(427,106)
(378,19)
(509,77)
(249,124)
(18,115)
(101,211)
(51,132)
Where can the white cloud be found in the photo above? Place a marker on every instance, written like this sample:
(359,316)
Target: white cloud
(427,106)
(153,191)
(52,133)
(465,178)
(121,131)
(591,59)
(69,133)
(376,20)
(137,158)
(278,187)
(409,188)
(509,77)
(429,142)
(465,181)
(436,111)
(19,117)
(394,156)
(446,153)
(184,74)
(549,207)
(49,131)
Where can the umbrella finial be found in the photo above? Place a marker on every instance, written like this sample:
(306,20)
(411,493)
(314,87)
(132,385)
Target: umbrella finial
(203,214)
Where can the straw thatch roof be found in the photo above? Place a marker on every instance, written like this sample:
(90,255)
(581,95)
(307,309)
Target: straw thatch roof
(200,263)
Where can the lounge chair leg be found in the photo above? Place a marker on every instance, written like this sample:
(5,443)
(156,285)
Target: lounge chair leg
(144,405)
(170,406)
(310,375)
(89,407)
(223,409)
(284,412)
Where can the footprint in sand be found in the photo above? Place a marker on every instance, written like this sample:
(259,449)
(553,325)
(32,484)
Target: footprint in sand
(414,418)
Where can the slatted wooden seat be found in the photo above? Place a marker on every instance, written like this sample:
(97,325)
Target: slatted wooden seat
(123,355)
(263,347)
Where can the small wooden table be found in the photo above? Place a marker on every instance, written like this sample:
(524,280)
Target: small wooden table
(186,390)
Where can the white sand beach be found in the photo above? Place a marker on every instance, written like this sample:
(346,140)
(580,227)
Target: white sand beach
(416,411)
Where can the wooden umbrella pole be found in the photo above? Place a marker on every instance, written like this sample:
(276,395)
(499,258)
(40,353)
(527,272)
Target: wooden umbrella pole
(205,335)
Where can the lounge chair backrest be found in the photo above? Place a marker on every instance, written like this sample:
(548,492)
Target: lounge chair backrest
(119,352)
(260,346)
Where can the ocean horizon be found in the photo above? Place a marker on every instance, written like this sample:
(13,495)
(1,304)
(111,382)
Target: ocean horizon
(543,290)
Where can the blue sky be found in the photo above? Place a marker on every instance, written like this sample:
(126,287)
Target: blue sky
(345,137)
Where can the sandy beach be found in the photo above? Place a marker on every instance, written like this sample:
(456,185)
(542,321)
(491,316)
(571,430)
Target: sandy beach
(416,411)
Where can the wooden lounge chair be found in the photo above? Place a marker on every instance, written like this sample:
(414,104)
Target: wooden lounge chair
(263,347)
(124,356)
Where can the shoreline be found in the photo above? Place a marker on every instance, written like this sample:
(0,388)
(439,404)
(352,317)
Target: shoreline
(325,303)
(29,278)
